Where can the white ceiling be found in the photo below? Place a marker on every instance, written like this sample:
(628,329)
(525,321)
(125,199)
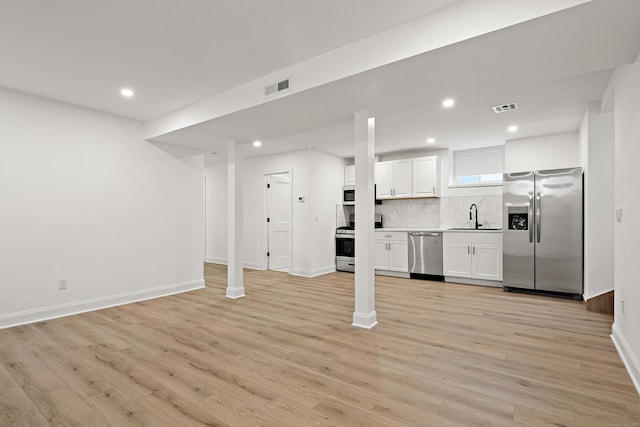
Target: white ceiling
(551,66)
(176,53)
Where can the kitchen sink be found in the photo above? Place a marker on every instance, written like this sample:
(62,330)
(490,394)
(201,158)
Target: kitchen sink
(474,229)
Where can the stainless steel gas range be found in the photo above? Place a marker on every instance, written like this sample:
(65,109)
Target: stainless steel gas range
(346,249)
(346,245)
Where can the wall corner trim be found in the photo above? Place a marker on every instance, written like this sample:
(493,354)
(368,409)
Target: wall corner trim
(77,307)
(626,354)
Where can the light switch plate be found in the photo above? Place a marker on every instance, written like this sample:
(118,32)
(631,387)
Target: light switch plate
(619,215)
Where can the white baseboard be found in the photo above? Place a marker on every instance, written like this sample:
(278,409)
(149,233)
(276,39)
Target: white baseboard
(313,273)
(626,354)
(256,266)
(252,265)
(62,310)
(222,261)
(215,260)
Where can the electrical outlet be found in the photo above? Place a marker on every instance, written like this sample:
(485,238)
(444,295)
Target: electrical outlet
(62,283)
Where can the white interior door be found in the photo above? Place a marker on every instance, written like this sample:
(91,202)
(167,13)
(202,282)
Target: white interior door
(279,219)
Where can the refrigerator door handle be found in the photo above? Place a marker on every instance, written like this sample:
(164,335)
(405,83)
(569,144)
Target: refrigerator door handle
(538,215)
(530,219)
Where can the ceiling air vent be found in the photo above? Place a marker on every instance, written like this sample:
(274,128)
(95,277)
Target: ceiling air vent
(504,107)
(276,87)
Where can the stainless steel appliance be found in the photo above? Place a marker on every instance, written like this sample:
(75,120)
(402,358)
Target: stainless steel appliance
(346,249)
(425,255)
(346,244)
(542,232)
(349,195)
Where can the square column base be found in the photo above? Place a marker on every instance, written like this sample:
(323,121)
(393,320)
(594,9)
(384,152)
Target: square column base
(235,293)
(365,321)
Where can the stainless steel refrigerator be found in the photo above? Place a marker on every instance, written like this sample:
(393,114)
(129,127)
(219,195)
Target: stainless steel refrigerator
(542,231)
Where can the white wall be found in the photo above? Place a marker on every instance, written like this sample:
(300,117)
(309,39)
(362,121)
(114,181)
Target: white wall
(84,197)
(327,179)
(316,176)
(597,157)
(556,151)
(216,213)
(626,332)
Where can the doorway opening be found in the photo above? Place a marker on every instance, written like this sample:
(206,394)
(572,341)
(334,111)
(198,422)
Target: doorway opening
(278,221)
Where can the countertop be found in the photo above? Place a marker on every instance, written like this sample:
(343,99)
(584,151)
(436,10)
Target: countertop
(439,230)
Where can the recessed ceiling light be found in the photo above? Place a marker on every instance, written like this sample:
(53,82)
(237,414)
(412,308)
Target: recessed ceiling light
(257,143)
(127,93)
(431,140)
(512,128)
(448,103)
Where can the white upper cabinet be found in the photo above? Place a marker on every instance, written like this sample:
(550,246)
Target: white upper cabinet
(384,180)
(393,179)
(425,177)
(407,178)
(350,175)
(402,184)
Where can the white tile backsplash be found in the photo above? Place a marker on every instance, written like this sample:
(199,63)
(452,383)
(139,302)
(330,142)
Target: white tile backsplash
(445,212)
(423,213)
(395,213)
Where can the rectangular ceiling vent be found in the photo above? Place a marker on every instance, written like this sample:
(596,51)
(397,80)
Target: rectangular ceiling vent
(276,87)
(504,107)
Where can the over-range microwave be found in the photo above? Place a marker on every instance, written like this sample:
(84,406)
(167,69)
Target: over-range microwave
(349,195)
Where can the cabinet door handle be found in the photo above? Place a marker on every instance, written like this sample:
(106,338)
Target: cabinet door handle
(434,191)
(468,250)
(474,250)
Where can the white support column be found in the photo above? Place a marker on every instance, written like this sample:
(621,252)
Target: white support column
(235,255)
(364,315)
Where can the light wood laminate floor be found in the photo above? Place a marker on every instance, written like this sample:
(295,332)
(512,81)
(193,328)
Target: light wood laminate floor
(287,355)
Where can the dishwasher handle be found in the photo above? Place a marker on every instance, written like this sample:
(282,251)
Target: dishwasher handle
(424,233)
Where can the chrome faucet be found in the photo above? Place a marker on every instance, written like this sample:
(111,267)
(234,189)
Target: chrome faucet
(471,215)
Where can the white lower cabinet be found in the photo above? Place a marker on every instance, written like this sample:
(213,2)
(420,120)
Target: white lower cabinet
(391,251)
(475,255)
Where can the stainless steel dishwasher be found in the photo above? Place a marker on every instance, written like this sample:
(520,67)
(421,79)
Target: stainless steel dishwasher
(425,255)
